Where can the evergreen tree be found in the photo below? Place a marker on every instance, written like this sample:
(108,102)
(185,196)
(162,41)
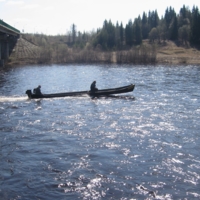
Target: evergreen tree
(102,36)
(84,38)
(144,19)
(111,35)
(138,32)
(145,29)
(185,24)
(174,29)
(183,12)
(169,19)
(121,34)
(73,33)
(106,37)
(150,20)
(156,19)
(129,33)
(162,30)
(117,35)
(195,27)
(169,16)
(153,19)
(69,38)
(185,16)
(79,39)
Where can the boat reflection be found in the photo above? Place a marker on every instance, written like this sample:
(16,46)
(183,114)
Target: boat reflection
(127,97)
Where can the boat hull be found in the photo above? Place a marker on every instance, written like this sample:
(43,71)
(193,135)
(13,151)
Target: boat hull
(119,90)
(97,93)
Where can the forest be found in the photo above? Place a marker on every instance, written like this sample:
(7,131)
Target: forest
(134,42)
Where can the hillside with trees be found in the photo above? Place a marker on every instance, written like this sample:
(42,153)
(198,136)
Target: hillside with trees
(146,39)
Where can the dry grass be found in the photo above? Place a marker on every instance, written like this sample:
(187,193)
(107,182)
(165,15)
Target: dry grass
(170,53)
(24,52)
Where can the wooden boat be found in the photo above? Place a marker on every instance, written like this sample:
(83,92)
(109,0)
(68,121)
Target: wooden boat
(104,92)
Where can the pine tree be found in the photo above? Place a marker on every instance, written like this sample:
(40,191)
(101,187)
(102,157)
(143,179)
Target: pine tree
(121,34)
(145,28)
(174,29)
(138,32)
(153,19)
(195,27)
(156,19)
(73,33)
(185,16)
(183,12)
(106,37)
(117,34)
(129,33)
(169,16)
(111,35)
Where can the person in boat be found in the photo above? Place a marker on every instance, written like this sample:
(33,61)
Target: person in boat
(93,87)
(37,90)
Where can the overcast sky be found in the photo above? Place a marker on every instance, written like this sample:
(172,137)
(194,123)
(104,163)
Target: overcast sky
(54,17)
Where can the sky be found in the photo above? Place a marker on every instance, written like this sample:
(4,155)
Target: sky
(56,17)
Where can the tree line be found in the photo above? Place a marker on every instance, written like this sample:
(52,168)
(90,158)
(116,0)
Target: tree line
(183,28)
(133,43)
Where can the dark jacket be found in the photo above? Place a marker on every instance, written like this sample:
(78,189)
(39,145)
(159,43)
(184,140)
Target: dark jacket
(37,90)
(93,87)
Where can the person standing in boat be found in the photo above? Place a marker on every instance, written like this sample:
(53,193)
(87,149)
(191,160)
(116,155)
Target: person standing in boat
(37,90)
(93,87)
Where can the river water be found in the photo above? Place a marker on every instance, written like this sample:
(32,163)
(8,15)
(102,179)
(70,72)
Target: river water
(140,145)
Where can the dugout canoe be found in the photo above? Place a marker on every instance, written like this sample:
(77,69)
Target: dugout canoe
(104,92)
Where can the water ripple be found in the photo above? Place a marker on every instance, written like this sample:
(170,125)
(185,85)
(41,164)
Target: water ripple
(144,146)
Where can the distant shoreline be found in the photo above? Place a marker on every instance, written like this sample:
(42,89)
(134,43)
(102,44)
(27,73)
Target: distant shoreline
(166,54)
(160,60)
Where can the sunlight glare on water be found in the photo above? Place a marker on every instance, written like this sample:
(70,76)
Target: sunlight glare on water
(140,145)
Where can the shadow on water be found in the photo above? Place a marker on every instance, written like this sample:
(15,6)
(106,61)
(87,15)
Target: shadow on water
(115,97)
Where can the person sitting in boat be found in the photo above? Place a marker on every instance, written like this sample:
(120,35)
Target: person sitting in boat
(93,87)
(37,90)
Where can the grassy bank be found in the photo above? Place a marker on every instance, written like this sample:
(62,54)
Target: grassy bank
(170,53)
(56,51)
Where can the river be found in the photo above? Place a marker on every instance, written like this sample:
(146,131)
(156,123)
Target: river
(140,145)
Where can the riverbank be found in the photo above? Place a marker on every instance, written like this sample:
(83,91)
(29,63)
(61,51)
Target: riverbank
(165,53)
(170,53)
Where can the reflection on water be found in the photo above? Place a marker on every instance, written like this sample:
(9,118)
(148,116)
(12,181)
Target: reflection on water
(140,145)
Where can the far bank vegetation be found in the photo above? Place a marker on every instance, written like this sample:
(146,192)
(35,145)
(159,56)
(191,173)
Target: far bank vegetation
(137,42)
